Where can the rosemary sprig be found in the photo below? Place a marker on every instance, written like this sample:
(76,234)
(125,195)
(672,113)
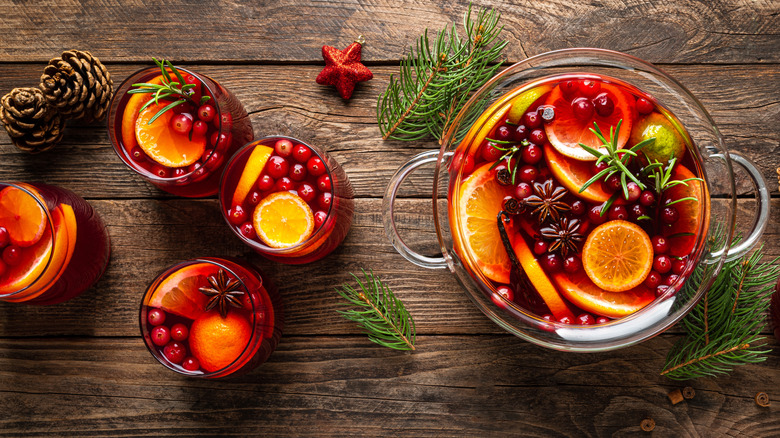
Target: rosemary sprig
(379,312)
(436,80)
(662,179)
(169,89)
(511,149)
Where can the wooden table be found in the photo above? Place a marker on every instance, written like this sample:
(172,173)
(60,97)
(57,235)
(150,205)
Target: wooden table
(81,369)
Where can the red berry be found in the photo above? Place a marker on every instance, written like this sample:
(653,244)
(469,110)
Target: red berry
(653,279)
(161,171)
(12,255)
(552,262)
(175,352)
(582,108)
(568,88)
(468,165)
(647,198)
(506,292)
(214,159)
(598,167)
(206,112)
(537,137)
(633,191)
(602,320)
(179,172)
(528,173)
(617,212)
(306,192)
(190,364)
(4,239)
(315,166)
(156,317)
(660,290)
(671,279)
(490,152)
(571,264)
(237,215)
(523,190)
(637,211)
(221,141)
(160,335)
(644,106)
(594,215)
(254,197)
(265,183)
(532,120)
(547,317)
(540,247)
(323,183)
(578,208)
(660,244)
(586,319)
(200,128)
(604,105)
(589,88)
(138,155)
(248,230)
(182,123)
(678,266)
(565,320)
(520,133)
(301,153)
(179,332)
(503,133)
(533,153)
(298,172)
(669,215)
(277,167)
(662,264)
(284,184)
(227,121)
(611,184)
(283,148)
(319,218)
(324,200)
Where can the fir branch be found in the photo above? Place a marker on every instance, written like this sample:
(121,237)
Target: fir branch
(436,80)
(379,312)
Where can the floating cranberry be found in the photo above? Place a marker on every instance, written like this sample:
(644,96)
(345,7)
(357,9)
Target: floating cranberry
(532,120)
(214,159)
(4,238)
(678,266)
(520,133)
(589,88)
(578,208)
(179,172)
(160,335)
(468,164)
(528,173)
(565,320)
(283,148)
(323,183)
(660,290)
(277,167)
(190,364)
(547,317)
(582,108)
(284,184)
(237,215)
(568,88)
(611,184)
(660,244)
(662,264)
(254,197)
(552,262)
(319,218)
(604,105)
(248,230)
(503,133)
(226,120)
(586,319)
(156,317)
(175,352)
(671,279)
(653,279)
(206,113)
(301,153)
(669,215)
(324,200)
(182,123)
(540,247)
(161,171)
(602,320)
(490,152)
(221,141)
(298,172)
(315,166)
(265,183)
(634,192)
(571,264)
(306,192)
(617,212)
(179,332)
(533,153)
(595,216)
(598,167)
(523,190)
(506,292)
(644,106)
(647,198)
(138,155)
(637,211)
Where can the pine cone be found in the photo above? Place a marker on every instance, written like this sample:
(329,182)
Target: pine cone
(78,85)
(33,125)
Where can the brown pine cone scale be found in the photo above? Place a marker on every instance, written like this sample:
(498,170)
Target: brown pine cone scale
(33,125)
(78,85)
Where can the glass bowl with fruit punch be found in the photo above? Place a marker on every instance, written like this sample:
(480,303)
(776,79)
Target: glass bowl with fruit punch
(590,200)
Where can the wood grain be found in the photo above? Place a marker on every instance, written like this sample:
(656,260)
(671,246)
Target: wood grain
(689,31)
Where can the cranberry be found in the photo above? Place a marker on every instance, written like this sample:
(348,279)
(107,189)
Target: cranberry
(182,123)
(12,255)
(214,159)
(660,290)
(647,198)
(528,173)
(190,364)
(582,108)
(538,137)
(578,208)
(586,319)
(324,200)
(196,170)
(547,317)
(315,166)
(568,88)
(301,153)
(520,133)
(298,172)
(4,239)
(248,230)
(532,120)
(660,244)
(506,293)
(594,215)
(221,141)
(237,215)
(662,264)
(532,153)
(161,171)
(644,106)
(468,164)
(277,167)
(637,211)
(669,215)
(670,279)
(490,152)
(283,148)
(540,247)
(552,262)
(571,264)
(206,113)
(265,183)
(611,184)
(598,167)
(138,154)
(284,184)
(192,80)
(633,191)
(604,105)
(653,279)
(306,192)
(617,212)
(678,266)
(160,335)
(503,133)
(227,121)
(602,320)
(523,190)
(175,352)
(156,317)
(589,88)
(254,197)
(319,218)
(179,172)
(565,320)
(179,332)
(323,183)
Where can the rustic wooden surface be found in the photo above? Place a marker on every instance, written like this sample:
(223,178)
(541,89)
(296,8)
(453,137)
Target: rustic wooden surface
(80,368)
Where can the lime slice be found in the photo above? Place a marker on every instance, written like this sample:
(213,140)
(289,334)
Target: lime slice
(521,103)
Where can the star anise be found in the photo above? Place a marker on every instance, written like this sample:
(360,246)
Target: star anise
(547,201)
(223,292)
(564,235)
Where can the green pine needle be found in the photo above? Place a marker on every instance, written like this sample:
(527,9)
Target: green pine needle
(724,328)
(379,312)
(436,80)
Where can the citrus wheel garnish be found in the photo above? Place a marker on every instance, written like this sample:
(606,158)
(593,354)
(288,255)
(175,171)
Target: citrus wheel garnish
(617,256)
(540,280)
(217,342)
(22,215)
(179,294)
(130,114)
(566,131)
(252,170)
(283,219)
(521,103)
(573,174)
(581,291)
(683,233)
(161,143)
(480,201)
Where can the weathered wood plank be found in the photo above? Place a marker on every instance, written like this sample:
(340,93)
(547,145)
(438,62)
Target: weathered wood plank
(346,386)
(743,100)
(149,236)
(690,31)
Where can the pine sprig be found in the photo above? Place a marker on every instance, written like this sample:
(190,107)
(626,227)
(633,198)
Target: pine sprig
(379,312)
(436,80)
(724,328)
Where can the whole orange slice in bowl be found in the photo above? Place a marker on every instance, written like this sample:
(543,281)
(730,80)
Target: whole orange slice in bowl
(22,216)
(161,143)
(581,291)
(617,256)
(283,220)
(179,294)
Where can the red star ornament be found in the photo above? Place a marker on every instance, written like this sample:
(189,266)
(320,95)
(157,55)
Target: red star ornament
(343,68)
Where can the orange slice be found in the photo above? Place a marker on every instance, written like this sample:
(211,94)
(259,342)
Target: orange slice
(283,219)
(22,215)
(162,144)
(683,233)
(130,114)
(578,289)
(179,292)
(573,174)
(478,205)
(252,170)
(31,265)
(540,280)
(217,342)
(617,256)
